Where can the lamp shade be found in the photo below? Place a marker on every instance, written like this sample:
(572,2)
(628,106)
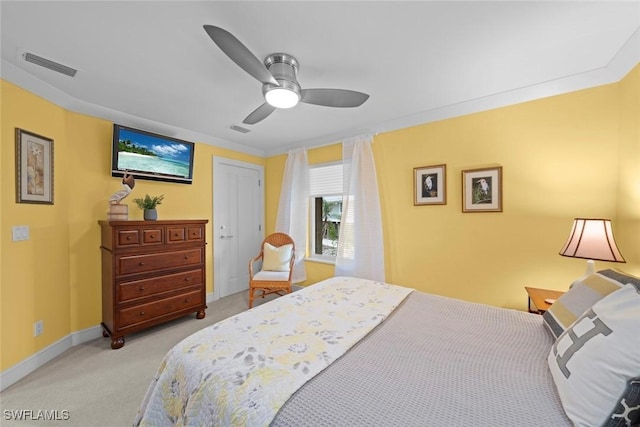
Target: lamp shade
(592,239)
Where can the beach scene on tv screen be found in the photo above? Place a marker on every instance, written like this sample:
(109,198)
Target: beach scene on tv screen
(146,153)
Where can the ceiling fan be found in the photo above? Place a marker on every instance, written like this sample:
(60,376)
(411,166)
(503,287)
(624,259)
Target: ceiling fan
(278,77)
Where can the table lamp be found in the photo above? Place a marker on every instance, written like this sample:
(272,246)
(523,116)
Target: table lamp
(592,239)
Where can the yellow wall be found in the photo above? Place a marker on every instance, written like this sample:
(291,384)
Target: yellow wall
(560,157)
(44,259)
(55,276)
(273,174)
(571,155)
(629,168)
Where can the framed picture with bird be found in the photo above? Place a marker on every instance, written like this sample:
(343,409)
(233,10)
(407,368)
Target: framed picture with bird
(482,190)
(34,168)
(430,185)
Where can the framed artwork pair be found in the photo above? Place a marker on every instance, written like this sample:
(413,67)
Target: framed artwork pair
(481,188)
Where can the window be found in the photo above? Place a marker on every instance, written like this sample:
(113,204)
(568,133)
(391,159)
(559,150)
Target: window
(325,192)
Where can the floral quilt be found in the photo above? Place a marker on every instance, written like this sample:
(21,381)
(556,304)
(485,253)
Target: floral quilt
(241,370)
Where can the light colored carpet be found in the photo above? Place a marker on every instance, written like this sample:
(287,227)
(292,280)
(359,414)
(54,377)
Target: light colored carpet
(99,386)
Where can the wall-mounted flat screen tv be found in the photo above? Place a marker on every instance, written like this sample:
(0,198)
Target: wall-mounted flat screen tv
(147,155)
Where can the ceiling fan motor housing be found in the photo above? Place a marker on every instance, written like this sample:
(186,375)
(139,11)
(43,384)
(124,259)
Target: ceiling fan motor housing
(284,69)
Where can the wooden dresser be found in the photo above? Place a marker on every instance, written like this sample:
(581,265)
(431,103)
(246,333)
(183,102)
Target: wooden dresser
(152,272)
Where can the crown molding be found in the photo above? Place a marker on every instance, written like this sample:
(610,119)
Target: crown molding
(26,81)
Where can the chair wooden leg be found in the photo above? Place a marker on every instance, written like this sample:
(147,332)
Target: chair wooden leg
(263,292)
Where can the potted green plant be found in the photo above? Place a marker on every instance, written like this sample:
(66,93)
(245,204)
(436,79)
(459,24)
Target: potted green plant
(148,204)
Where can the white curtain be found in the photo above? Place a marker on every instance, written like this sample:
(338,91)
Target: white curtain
(360,245)
(293,208)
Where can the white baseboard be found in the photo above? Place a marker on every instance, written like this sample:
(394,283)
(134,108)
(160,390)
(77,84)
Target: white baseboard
(31,363)
(210,298)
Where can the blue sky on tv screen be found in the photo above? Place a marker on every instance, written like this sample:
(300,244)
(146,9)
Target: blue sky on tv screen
(167,149)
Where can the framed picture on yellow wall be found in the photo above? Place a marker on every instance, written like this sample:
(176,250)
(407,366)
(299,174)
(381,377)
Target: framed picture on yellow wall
(34,168)
(482,190)
(429,185)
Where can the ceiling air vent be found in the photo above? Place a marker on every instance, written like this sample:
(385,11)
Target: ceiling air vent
(239,129)
(54,66)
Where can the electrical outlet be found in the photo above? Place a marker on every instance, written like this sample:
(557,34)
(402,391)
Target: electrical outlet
(38,328)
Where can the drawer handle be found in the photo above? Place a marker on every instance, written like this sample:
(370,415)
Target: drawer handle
(186,279)
(128,237)
(186,300)
(177,235)
(186,257)
(141,263)
(142,288)
(142,313)
(153,236)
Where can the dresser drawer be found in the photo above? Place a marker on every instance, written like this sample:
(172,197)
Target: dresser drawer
(167,306)
(152,236)
(195,234)
(126,238)
(175,234)
(129,291)
(133,264)
(185,234)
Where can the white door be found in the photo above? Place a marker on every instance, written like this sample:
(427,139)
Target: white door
(238,212)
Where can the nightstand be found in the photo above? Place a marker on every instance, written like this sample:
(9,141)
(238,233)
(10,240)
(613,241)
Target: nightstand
(537,297)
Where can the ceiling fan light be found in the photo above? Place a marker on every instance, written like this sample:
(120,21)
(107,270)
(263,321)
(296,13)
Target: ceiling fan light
(280,97)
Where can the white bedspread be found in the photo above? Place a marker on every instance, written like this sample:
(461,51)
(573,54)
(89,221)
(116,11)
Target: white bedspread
(241,370)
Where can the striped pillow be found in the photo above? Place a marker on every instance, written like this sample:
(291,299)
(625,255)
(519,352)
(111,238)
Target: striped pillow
(621,277)
(582,295)
(596,362)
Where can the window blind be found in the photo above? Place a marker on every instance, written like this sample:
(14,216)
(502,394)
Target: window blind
(325,180)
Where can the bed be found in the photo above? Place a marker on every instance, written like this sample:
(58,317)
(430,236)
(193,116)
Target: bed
(354,352)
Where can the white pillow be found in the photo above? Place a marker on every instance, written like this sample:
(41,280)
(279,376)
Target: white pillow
(594,361)
(276,258)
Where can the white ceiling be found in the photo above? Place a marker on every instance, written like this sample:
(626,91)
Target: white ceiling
(151,65)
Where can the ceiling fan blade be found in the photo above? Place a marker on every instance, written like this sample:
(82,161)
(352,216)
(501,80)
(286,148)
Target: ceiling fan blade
(239,54)
(260,113)
(333,97)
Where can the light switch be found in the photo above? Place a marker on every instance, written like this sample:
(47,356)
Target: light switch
(20,232)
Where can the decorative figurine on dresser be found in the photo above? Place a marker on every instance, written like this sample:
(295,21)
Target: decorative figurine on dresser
(117,210)
(152,272)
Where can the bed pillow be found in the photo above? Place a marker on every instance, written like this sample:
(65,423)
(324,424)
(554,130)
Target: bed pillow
(621,276)
(595,363)
(276,258)
(582,295)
